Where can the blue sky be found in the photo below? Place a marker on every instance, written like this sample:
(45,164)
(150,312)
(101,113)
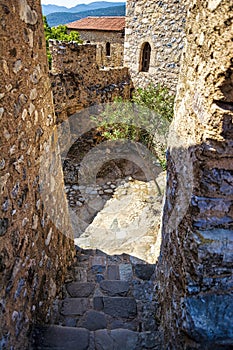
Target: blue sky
(71,3)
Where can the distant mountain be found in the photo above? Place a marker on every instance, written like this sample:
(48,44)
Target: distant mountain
(94,6)
(54,19)
(47,9)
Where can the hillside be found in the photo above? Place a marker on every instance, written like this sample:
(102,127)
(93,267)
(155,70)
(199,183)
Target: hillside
(54,19)
(47,9)
(94,6)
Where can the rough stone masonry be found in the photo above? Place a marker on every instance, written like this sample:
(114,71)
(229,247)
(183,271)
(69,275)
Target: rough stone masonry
(78,82)
(195,267)
(34,251)
(194,274)
(161,24)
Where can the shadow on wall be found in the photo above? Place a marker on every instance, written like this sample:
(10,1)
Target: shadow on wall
(202,253)
(195,266)
(197,223)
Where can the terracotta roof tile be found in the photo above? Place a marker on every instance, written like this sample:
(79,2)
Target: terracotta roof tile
(99,23)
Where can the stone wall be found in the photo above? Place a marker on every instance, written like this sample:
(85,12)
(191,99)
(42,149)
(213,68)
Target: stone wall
(161,24)
(100,38)
(195,267)
(194,274)
(34,250)
(77,81)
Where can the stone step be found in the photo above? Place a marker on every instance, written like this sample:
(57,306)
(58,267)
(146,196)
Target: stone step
(99,312)
(115,288)
(121,267)
(60,338)
(124,307)
(93,320)
(75,306)
(86,289)
(80,289)
(117,339)
(69,338)
(110,300)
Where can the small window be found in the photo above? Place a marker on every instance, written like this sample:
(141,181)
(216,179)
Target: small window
(145,57)
(108,49)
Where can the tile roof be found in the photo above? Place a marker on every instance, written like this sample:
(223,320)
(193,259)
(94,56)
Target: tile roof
(99,23)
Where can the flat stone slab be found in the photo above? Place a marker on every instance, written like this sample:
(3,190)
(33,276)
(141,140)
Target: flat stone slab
(117,339)
(126,272)
(120,307)
(115,288)
(103,340)
(144,271)
(79,290)
(113,272)
(74,306)
(61,338)
(93,320)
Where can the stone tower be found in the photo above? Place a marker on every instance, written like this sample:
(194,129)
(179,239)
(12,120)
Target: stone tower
(154,39)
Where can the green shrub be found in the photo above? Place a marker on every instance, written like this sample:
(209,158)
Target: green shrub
(58,33)
(158,98)
(145,119)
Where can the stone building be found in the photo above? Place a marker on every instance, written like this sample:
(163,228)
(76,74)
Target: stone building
(107,33)
(154,39)
(193,287)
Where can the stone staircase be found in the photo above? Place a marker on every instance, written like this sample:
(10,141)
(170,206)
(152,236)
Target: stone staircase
(108,304)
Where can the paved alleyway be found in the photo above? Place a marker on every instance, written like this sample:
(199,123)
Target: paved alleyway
(108,300)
